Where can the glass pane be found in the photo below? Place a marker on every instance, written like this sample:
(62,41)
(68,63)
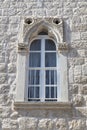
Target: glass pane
(51,92)
(50,45)
(34,59)
(50,59)
(47,92)
(33,92)
(35,45)
(51,77)
(34,77)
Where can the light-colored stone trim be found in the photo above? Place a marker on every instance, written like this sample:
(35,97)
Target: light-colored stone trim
(27,34)
(21,75)
(42,105)
(31,30)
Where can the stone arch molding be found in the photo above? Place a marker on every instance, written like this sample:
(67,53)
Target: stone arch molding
(30,27)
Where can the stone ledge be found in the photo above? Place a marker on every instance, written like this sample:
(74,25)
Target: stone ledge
(42,105)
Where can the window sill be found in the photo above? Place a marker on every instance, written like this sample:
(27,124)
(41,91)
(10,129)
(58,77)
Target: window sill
(42,105)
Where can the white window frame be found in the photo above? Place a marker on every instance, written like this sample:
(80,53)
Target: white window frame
(42,90)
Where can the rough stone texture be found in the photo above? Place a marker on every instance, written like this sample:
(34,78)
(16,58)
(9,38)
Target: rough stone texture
(74,14)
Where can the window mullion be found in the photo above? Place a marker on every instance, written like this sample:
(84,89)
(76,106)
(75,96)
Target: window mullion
(42,77)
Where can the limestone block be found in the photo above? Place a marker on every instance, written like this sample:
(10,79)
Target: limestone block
(75,36)
(45,124)
(82,4)
(11,68)
(3,78)
(14,20)
(78,61)
(77,124)
(13,56)
(4,20)
(31,123)
(14,124)
(83,89)
(6,124)
(13,28)
(68,11)
(10,12)
(78,100)
(4,88)
(14,115)
(84,69)
(77,70)
(72,53)
(81,112)
(74,88)
(80,79)
(84,35)
(79,44)
(61,124)
(71,74)
(3,68)
(27,123)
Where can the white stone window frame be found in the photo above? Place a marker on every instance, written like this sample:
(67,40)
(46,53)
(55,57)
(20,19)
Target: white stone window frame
(29,30)
(42,90)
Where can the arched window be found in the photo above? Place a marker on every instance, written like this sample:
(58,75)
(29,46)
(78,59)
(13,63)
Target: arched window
(42,63)
(43,75)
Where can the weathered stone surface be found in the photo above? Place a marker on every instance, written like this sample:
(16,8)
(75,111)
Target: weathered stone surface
(77,70)
(84,69)
(74,15)
(61,124)
(77,124)
(78,100)
(11,68)
(14,115)
(71,75)
(45,124)
(83,89)
(27,123)
(3,78)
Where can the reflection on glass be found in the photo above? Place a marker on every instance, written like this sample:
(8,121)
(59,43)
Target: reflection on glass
(51,92)
(35,45)
(34,59)
(34,77)
(50,45)
(50,59)
(51,77)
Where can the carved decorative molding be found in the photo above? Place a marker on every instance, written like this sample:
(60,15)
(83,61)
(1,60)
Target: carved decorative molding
(22,47)
(63,47)
(42,105)
(30,27)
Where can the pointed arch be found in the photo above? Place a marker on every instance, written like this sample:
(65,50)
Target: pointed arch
(37,27)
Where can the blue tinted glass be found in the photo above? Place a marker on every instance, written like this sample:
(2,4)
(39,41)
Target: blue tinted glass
(50,45)
(34,77)
(34,59)
(50,59)
(35,45)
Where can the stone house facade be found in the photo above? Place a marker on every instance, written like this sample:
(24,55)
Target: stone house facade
(65,22)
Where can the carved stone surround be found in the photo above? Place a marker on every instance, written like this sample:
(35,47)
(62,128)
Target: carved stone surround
(30,27)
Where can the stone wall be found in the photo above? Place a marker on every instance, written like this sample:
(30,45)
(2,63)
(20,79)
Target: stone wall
(74,14)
